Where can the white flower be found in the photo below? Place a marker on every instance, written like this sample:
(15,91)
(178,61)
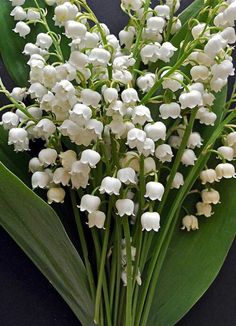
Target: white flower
(230,12)
(30,49)
(90,97)
(125,207)
(19,138)
(129,96)
(127,175)
(110,185)
(190,99)
(150,221)
(44,41)
(166,51)
(215,45)
(17,2)
(149,165)
(90,157)
(227,152)
(156,131)
(22,29)
(147,148)
(150,53)
(45,128)
(97,219)
(33,14)
(225,170)
(178,181)
(62,176)
(210,196)
(67,159)
(110,94)
(141,114)
(229,35)
(156,24)
(206,117)
(132,4)
(35,165)
(190,222)
(18,13)
(136,138)
(204,209)
(223,70)
(79,180)
(170,110)
(208,176)
(154,190)
(9,120)
(79,168)
(56,195)
(172,82)
(200,30)
(65,12)
(175,141)
(195,140)
(177,24)
(80,114)
(96,127)
(146,81)
(40,180)
(37,90)
(18,93)
(162,11)
(164,153)
(216,84)
(48,156)
(89,203)
(75,30)
(231,138)
(127,37)
(199,73)
(131,159)
(99,57)
(188,157)
(78,59)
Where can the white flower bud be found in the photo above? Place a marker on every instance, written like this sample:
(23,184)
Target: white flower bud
(170,110)
(129,96)
(210,196)
(110,95)
(178,181)
(136,138)
(90,97)
(18,13)
(177,24)
(99,57)
(146,82)
(188,157)
(89,203)
(67,159)
(44,41)
(80,114)
(231,138)
(45,128)
(40,180)
(204,209)
(56,195)
(35,165)
(60,175)
(110,186)
(198,30)
(141,114)
(125,207)
(225,170)
(19,138)
(17,2)
(154,190)
(149,165)
(33,14)
(190,222)
(90,157)
(150,221)
(208,176)
(195,140)
(75,30)
(190,99)
(164,153)
(172,82)
(22,29)
(156,131)
(227,152)
(48,156)
(65,12)
(9,120)
(97,219)
(127,175)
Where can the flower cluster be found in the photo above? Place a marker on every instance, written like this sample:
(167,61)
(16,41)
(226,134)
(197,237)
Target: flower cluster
(111,128)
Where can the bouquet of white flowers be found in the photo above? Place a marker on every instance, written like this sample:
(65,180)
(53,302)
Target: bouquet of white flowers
(134,135)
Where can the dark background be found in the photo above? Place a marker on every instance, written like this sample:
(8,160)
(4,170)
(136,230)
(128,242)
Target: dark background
(26,297)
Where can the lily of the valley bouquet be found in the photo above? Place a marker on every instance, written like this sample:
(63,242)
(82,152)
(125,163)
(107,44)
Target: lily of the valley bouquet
(130,138)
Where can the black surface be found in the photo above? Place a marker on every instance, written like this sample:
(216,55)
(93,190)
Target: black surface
(26,297)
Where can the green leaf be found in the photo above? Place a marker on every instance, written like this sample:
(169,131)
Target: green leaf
(38,231)
(194,260)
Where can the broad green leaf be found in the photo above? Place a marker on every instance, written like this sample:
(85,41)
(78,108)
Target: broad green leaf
(38,231)
(194,260)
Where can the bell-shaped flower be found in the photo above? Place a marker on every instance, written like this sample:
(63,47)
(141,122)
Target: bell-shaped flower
(170,110)
(156,131)
(110,94)
(127,175)
(80,114)
(172,82)
(110,185)
(22,29)
(129,96)
(56,195)
(99,57)
(9,120)
(231,138)
(225,170)
(79,167)
(19,138)
(190,222)
(44,41)
(35,165)
(96,218)
(150,221)
(226,152)
(195,140)
(190,99)
(40,180)
(146,81)
(147,148)
(178,181)
(206,117)
(141,114)
(90,157)
(48,156)
(62,176)
(90,97)
(125,207)
(164,153)
(89,203)
(188,157)
(136,138)
(67,159)
(210,196)
(75,30)
(154,190)
(208,176)
(45,128)
(204,209)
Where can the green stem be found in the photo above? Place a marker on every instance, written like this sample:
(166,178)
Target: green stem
(83,243)
(129,288)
